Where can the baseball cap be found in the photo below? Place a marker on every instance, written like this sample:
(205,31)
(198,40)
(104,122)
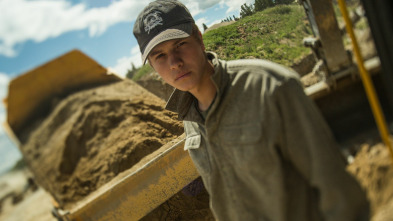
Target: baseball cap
(160,21)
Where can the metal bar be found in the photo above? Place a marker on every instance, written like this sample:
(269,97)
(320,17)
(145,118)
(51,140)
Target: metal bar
(325,27)
(340,79)
(366,79)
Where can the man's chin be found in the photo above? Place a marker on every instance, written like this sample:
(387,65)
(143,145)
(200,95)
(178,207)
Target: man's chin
(185,89)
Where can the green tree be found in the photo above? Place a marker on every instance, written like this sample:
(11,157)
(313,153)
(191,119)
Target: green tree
(204,27)
(283,2)
(131,72)
(246,10)
(261,5)
(227,19)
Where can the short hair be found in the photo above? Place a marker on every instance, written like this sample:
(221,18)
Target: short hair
(195,33)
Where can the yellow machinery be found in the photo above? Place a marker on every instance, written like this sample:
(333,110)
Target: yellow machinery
(128,198)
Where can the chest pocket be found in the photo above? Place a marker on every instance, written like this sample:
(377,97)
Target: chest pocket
(192,142)
(198,152)
(245,146)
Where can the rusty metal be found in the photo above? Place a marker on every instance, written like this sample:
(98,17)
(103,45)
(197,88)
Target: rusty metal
(341,79)
(327,33)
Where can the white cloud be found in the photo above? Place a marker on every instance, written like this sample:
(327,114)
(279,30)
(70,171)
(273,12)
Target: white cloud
(8,150)
(200,23)
(4,80)
(202,5)
(124,63)
(39,20)
(23,20)
(197,7)
(235,5)
(213,23)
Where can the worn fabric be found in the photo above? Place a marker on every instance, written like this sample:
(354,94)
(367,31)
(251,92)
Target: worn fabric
(264,151)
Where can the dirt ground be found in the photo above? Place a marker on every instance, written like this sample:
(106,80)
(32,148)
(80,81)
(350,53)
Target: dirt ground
(21,200)
(372,166)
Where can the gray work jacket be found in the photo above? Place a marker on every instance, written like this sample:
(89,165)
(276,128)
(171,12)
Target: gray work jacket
(264,151)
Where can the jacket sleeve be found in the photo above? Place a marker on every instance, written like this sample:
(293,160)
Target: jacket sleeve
(309,145)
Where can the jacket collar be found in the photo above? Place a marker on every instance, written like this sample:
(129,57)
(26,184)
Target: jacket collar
(181,101)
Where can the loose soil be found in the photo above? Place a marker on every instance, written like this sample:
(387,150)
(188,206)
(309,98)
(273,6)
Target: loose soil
(93,135)
(373,168)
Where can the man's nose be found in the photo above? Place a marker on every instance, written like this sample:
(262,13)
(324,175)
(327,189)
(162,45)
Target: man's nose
(175,60)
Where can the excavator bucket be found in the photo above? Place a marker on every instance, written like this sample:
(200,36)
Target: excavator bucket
(141,188)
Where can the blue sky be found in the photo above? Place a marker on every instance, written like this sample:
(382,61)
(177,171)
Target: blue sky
(33,32)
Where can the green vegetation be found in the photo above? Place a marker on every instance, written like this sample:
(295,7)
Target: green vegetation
(359,25)
(260,5)
(20,164)
(275,33)
(137,73)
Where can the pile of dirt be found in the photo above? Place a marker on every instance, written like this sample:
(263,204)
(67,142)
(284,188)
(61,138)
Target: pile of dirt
(373,168)
(92,135)
(156,85)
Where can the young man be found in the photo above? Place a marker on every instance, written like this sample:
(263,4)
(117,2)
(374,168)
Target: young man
(260,145)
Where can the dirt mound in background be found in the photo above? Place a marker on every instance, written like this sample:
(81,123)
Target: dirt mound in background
(221,24)
(156,85)
(373,168)
(93,135)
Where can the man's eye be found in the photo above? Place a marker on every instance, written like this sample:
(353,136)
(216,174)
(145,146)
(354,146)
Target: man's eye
(181,43)
(159,56)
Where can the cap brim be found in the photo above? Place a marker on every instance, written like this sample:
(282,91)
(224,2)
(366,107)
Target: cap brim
(175,32)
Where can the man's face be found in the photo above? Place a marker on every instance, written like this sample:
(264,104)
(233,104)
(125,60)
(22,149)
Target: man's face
(181,63)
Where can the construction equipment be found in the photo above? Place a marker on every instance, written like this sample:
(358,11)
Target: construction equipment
(340,92)
(340,97)
(146,186)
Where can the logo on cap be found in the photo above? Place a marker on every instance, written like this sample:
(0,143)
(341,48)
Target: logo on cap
(151,21)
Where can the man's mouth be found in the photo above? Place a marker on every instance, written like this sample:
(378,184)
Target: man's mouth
(181,76)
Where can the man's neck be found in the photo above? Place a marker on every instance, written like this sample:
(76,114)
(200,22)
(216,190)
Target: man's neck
(205,100)
(206,94)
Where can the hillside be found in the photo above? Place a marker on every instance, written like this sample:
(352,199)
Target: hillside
(275,34)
